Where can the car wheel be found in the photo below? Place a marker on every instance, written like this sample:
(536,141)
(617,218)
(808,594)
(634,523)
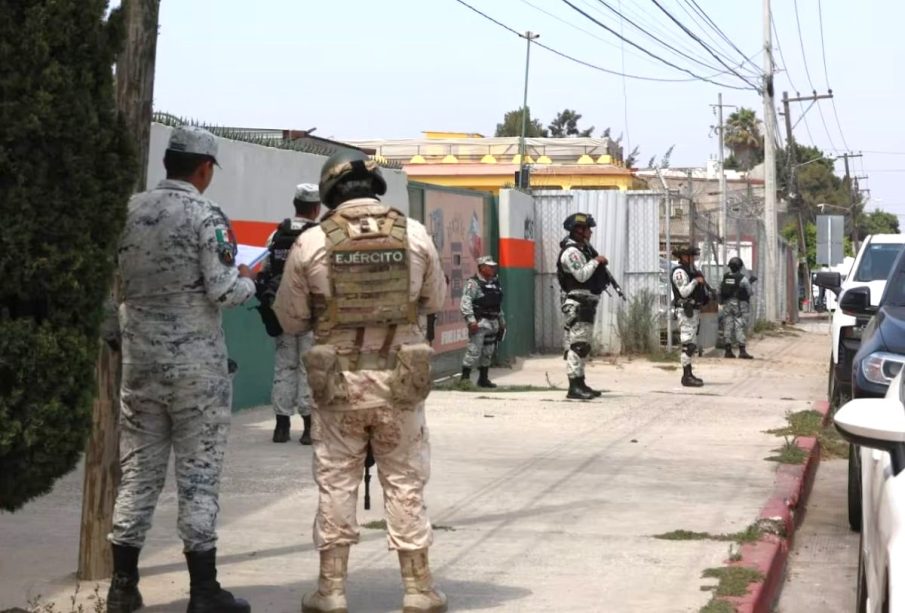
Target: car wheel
(861,602)
(854,488)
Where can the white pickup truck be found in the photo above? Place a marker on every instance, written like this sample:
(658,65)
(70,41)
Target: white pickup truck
(870,269)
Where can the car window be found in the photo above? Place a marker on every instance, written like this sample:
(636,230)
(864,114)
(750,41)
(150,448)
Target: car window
(894,294)
(876,262)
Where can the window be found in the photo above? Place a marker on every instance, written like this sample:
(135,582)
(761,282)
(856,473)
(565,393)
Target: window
(876,261)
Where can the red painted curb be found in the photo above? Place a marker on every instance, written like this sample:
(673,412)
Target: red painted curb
(823,407)
(784,509)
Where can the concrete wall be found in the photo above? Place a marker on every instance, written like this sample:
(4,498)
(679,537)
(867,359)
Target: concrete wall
(516,260)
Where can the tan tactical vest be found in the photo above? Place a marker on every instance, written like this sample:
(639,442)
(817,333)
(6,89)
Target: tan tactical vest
(368,264)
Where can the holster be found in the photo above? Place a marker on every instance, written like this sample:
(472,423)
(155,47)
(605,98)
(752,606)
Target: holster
(410,382)
(324,376)
(688,308)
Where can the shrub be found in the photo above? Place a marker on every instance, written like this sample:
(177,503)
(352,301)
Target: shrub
(66,169)
(637,323)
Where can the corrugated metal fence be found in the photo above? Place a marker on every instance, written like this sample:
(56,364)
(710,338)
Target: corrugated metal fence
(627,233)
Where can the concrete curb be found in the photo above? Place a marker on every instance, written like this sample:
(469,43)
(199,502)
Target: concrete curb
(780,517)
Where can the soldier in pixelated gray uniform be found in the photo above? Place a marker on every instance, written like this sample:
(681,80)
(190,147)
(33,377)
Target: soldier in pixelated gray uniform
(290,391)
(482,307)
(735,296)
(576,266)
(689,290)
(177,268)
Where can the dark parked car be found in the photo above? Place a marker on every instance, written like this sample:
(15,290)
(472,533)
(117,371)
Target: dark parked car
(878,360)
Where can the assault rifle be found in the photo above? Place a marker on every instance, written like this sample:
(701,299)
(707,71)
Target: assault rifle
(602,279)
(369,462)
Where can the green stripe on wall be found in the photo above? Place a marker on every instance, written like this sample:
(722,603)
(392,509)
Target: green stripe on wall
(252,349)
(518,305)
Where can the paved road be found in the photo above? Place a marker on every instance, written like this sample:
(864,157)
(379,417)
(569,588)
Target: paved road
(823,564)
(544,504)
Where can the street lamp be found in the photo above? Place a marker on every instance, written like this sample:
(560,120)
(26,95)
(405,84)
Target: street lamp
(529,36)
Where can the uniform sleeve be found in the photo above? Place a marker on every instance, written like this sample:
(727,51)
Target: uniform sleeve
(433,286)
(293,303)
(466,304)
(686,286)
(575,263)
(222,282)
(746,285)
(265,265)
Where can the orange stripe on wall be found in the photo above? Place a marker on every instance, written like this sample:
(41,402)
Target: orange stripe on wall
(253,233)
(516,253)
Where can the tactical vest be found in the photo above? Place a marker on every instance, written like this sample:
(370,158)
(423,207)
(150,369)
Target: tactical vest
(368,268)
(488,305)
(699,296)
(731,287)
(282,242)
(567,281)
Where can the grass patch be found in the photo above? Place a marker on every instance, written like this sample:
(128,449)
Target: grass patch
(661,355)
(789,453)
(99,604)
(669,367)
(733,580)
(748,535)
(637,323)
(764,325)
(810,423)
(718,606)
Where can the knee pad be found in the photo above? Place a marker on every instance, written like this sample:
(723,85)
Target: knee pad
(690,349)
(581,349)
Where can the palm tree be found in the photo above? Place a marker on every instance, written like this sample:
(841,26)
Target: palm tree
(742,136)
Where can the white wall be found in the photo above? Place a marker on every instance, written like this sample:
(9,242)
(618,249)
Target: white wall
(516,215)
(256,183)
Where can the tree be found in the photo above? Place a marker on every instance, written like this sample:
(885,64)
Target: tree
(512,125)
(566,124)
(878,222)
(742,136)
(67,167)
(632,157)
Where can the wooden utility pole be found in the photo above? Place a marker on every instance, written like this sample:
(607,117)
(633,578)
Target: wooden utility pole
(134,96)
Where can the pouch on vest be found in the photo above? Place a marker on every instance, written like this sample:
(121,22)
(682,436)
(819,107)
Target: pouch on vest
(324,376)
(688,308)
(410,382)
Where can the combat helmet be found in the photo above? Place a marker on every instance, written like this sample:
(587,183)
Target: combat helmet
(578,219)
(736,264)
(681,250)
(349,165)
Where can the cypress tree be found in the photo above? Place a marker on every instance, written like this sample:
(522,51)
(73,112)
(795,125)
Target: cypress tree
(67,166)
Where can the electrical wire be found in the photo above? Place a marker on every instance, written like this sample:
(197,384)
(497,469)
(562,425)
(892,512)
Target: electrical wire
(810,82)
(588,64)
(719,31)
(650,53)
(697,39)
(826,75)
(628,138)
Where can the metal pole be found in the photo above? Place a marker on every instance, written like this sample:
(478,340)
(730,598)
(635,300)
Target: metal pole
(692,212)
(668,262)
(771,283)
(724,230)
(529,36)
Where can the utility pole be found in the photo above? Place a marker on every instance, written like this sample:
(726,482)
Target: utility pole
(692,213)
(134,95)
(772,281)
(724,228)
(522,183)
(851,199)
(668,260)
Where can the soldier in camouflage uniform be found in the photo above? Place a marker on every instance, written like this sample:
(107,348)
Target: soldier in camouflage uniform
(735,296)
(290,390)
(177,267)
(364,281)
(577,265)
(482,308)
(689,290)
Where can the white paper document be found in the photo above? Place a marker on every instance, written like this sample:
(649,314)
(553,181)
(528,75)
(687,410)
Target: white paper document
(250,255)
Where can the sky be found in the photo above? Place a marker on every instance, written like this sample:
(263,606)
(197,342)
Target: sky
(362,69)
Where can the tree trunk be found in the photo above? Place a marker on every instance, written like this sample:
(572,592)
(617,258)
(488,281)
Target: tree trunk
(134,97)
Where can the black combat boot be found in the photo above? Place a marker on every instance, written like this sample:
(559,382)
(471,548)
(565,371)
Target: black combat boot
(281,431)
(576,391)
(123,596)
(688,379)
(306,433)
(728,353)
(588,388)
(205,594)
(483,379)
(465,379)
(743,353)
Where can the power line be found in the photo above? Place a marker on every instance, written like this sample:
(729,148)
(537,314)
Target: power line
(650,53)
(808,73)
(697,38)
(826,74)
(588,64)
(719,31)
(628,138)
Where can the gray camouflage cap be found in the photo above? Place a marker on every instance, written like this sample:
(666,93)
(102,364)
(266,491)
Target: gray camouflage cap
(192,139)
(486,260)
(307,192)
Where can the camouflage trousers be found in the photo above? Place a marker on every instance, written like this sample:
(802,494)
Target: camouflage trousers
(734,324)
(482,344)
(290,381)
(576,334)
(401,446)
(185,407)
(688,334)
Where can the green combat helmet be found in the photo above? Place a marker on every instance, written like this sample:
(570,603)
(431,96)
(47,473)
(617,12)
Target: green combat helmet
(349,165)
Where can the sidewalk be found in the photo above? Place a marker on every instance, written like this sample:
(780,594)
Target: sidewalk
(540,504)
